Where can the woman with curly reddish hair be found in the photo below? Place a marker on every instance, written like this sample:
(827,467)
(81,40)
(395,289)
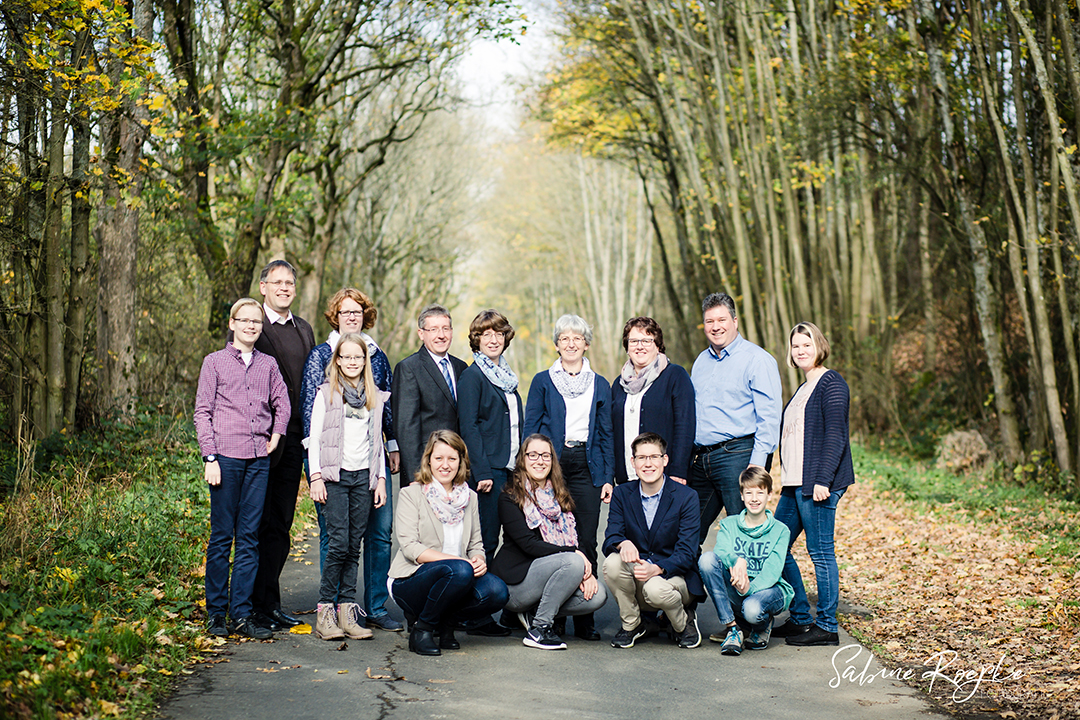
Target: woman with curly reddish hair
(654,395)
(352,311)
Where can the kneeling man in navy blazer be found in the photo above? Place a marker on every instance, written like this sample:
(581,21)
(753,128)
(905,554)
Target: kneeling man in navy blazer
(651,547)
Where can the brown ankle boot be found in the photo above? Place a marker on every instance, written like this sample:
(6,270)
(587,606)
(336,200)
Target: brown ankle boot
(327,627)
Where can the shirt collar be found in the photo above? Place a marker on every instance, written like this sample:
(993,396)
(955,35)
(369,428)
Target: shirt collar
(436,358)
(235,351)
(730,349)
(273,317)
(657,494)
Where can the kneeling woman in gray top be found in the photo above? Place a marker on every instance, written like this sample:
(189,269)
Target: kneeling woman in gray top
(540,560)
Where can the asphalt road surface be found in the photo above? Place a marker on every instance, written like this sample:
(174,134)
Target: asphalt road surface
(297,677)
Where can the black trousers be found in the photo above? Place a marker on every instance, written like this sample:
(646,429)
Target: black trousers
(276,526)
(575,469)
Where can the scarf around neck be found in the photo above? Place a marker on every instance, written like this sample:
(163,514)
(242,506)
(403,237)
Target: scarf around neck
(556,526)
(501,376)
(450,510)
(637,383)
(571,386)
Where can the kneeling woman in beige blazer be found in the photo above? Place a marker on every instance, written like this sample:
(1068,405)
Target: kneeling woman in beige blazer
(440,572)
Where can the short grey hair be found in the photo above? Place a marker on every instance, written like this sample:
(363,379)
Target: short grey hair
(433,310)
(717,299)
(572,323)
(273,265)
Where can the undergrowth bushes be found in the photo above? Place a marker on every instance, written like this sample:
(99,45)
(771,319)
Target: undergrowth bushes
(101,556)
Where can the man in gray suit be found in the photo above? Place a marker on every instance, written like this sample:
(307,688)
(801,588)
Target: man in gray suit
(424,394)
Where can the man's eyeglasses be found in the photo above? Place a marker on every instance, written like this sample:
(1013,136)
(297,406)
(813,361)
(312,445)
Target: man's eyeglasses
(281,283)
(650,458)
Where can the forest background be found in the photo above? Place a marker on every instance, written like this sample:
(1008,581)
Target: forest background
(902,173)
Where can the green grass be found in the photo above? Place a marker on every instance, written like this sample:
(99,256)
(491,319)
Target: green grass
(99,572)
(1009,497)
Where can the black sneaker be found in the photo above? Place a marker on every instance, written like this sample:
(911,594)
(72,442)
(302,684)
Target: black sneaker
(216,626)
(246,627)
(690,637)
(543,637)
(815,636)
(790,629)
(626,638)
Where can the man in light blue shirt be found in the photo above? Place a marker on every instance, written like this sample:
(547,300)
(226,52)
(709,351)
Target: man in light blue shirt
(738,402)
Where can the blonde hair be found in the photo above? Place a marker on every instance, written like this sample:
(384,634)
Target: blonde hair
(812,331)
(333,373)
(243,303)
(454,441)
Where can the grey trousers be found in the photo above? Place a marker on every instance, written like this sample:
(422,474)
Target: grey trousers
(551,587)
(348,503)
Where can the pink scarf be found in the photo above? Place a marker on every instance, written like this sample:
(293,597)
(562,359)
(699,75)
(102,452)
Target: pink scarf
(556,527)
(450,511)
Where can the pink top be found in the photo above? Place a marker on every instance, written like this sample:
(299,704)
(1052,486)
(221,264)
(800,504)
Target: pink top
(238,405)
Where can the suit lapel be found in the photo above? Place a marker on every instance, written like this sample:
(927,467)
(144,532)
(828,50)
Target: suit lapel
(661,512)
(436,374)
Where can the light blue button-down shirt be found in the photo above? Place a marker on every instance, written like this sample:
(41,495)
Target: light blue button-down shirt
(738,393)
(650,504)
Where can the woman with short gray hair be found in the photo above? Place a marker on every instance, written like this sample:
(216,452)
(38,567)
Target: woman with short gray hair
(571,404)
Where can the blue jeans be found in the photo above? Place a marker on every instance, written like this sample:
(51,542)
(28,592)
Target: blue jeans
(377,554)
(818,520)
(446,591)
(715,477)
(236,507)
(488,505)
(757,609)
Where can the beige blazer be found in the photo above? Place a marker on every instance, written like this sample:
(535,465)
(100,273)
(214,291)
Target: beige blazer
(418,529)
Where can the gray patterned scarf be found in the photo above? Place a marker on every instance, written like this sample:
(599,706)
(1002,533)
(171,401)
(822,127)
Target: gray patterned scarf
(634,383)
(571,386)
(501,376)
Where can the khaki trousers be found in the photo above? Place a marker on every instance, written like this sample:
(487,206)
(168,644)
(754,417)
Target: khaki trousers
(657,593)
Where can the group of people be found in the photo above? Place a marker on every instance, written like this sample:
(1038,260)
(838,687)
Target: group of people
(668,450)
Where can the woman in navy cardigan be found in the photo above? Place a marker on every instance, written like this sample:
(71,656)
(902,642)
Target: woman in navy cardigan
(490,417)
(652,395)
(816,469)
(571,404)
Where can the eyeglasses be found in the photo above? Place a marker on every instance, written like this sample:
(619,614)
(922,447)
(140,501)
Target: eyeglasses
(281,283)
(642,342)
(491,335)
(649,458)
(567,339)
(440,329)
(351,313)
(248,321)
(352,358)
(545,456)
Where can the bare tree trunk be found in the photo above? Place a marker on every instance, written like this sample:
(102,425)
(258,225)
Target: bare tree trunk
(55,267)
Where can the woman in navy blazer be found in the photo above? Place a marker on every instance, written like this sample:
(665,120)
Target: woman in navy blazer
(490,417)
(654,395)
(816,469)
(570,397)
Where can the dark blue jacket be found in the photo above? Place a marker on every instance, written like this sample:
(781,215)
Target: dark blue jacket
(668,410)
(545,412)
(826,436)
(672,542)
(484,418)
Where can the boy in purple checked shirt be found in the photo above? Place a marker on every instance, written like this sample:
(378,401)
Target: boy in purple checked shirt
(241,400)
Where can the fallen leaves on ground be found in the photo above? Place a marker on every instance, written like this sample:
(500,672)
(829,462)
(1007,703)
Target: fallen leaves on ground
(383,677)
(974,591)
(301,629)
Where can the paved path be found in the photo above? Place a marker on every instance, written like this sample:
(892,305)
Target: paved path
(296,677)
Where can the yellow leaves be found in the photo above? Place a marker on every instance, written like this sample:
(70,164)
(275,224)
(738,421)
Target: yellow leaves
(109,708)
(301,629)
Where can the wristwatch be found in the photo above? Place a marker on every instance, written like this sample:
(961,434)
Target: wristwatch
(209,458)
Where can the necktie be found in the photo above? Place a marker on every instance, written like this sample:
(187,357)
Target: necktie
(445,365)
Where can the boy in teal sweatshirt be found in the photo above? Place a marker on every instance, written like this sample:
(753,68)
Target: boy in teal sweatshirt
(742,574)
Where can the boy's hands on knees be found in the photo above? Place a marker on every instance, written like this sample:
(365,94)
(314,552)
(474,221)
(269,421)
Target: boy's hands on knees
(628,552)
(317,488)
(739,579)
(213,473)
